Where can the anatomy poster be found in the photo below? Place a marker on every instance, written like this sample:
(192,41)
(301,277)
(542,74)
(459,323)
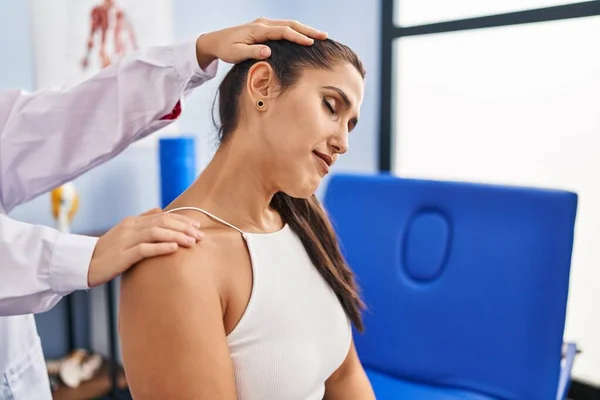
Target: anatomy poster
(75,38)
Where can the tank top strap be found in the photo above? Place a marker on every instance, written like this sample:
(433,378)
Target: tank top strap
(209,215)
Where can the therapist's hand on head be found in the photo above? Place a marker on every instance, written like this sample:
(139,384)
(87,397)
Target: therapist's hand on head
(243,42)
(153,233)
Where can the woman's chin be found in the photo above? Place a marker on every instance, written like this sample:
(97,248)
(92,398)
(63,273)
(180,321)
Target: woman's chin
(304,191)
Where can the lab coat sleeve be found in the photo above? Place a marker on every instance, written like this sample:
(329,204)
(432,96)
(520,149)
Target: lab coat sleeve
(50,137)
(39,265)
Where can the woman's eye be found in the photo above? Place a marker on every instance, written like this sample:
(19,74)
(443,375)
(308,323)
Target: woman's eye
(328,105)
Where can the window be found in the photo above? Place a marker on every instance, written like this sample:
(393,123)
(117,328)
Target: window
(513,104)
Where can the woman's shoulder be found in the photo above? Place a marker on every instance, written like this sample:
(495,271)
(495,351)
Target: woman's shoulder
(205,263)
(171,313)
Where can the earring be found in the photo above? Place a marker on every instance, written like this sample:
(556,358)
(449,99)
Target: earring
(260,104)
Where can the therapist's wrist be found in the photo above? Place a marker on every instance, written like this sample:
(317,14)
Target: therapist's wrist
(205,53)
(68,266)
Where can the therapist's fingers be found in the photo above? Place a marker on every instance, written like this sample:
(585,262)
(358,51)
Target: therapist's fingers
(147,250)
(262,33)
(156,234)
(173,222)
(303,29)
(266,32)
(139,252)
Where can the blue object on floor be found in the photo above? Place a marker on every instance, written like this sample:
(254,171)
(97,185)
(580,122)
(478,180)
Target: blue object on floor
(177,159)
(466,285)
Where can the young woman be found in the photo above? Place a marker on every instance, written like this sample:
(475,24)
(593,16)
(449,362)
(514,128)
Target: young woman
(262,307)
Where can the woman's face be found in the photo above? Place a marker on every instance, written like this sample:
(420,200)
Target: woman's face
(305,129)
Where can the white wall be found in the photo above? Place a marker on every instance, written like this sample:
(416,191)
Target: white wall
(513,105)
(17,61)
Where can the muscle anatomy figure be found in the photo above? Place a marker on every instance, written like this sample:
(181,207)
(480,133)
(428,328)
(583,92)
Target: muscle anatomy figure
(107,18)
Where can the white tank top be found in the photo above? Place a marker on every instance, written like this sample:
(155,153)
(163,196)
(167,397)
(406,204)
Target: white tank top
(294,332)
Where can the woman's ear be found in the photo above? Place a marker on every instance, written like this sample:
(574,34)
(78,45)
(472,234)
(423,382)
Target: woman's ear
(261,83)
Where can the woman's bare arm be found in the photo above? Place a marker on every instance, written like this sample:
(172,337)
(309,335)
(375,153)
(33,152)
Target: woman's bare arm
(171,325)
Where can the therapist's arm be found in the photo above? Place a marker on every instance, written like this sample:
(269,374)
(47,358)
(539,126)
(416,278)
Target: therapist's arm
(28,259)
(50,137)
(39,265)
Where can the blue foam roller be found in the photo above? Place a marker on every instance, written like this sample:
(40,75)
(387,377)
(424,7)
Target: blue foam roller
(177,158)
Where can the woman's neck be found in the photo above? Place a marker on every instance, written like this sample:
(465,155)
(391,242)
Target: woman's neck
(233,187)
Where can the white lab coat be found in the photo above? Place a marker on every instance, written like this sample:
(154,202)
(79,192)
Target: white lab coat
(48,138)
